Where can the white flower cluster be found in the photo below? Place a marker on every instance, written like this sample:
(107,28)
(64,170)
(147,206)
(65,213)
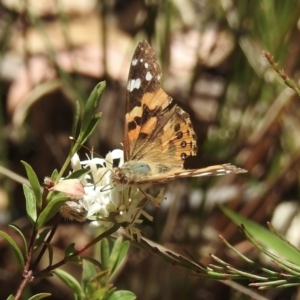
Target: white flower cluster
(105,202)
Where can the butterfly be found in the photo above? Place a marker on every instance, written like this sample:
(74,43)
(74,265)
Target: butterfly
(158,136)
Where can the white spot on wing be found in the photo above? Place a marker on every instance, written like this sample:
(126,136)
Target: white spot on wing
(148,76)
(146,65)
(141,60)
(133,84)
(134,61)
(203,174)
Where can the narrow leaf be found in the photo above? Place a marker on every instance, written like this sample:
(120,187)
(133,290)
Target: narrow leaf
(15,247)
(93,261)
(70,282)
(70,250)
(40,296)
(15,227)
(104,254)
(88,272)
(51,209)
(41,237)
(122,295)
(264,236)
(76,117)
(54,174)
(92,104)
(30,203)
(90,128)
(50,252)
(34,182)
(77,174)
(118,254)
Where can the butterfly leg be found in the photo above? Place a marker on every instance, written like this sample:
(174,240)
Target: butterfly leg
(155,200)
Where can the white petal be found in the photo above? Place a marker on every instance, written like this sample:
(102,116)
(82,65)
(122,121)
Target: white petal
(118,154)
(75,162)
(94,161)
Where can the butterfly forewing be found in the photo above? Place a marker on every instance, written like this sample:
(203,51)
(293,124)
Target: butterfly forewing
(145,100)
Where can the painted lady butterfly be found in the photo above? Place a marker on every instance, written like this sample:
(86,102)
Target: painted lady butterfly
(157,136)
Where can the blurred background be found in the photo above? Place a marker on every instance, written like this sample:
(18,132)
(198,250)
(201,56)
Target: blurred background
(52,53)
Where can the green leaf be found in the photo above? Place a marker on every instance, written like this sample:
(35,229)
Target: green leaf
(15,227)
(77,174)
(93,261)
(88,273)
(76,117)
(104,254)
(70,250)
(51,209)
(11,297)
(75,259)
(30,203)
(34,182)
(264,236)
(39,296)
(41,237)
(50,252)
(54,174)
(15,247)
(92,104)
(90,119)
(90,128)
(118,254)
(102,293)
(122,295)
(71,282)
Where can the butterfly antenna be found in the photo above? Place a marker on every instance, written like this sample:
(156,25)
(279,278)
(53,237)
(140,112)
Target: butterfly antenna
(89,149)
(106,187)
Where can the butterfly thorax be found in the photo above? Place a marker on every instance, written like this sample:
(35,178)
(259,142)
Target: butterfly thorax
(133,172)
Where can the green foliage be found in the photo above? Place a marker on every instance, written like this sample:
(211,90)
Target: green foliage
(51,209)
(35,186)
(40,296)
(71,282)
(96,276)
(41,208)
(41,237)
(15,247)
(31,208)
(18,229)
(90,119)
(266,238)
(117,256)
